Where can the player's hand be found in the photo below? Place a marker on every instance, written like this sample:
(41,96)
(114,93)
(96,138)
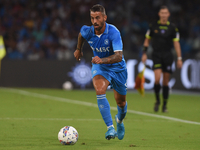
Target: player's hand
(179,64)
(96,60)
(144,57)
(78,54)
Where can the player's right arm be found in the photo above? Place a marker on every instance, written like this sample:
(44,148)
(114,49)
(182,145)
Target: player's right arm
(82,37)
(78,52)
(146,45)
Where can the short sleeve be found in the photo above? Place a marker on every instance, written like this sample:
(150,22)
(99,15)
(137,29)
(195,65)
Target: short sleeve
(117,42)
(149,32)
(176,35)
(85,31)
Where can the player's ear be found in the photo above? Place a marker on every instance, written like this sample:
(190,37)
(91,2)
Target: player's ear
(105,18)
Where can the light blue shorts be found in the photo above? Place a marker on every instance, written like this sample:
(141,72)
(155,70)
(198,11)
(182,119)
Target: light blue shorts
(118,80)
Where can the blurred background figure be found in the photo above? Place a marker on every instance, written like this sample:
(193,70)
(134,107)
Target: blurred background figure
(163,35)
(39,29)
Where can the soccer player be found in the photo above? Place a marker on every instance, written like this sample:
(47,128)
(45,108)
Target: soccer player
(108,67)
(163,35)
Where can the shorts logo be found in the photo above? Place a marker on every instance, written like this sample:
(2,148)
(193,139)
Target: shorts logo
(95,71)
(106,41)
(156,31)
(90,42)
(169,67)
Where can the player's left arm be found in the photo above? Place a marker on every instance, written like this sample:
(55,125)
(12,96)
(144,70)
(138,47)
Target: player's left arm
(177,48)
(178,52)
(115,58)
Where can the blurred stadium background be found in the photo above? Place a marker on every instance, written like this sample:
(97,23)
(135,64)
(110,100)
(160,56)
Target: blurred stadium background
(40,37)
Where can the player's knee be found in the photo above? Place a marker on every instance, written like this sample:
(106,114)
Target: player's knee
(157,81)
(100,91)
(121,103)
(165,83)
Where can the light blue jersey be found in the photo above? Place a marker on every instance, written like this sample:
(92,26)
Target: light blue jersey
(105,45)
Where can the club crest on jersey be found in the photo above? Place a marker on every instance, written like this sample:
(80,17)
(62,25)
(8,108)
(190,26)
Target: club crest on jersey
(162,31)
(106,42)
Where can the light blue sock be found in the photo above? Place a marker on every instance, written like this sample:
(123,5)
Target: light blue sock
(104,108)
(121,112)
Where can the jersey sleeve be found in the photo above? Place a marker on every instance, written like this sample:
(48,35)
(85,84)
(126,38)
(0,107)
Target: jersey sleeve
(176,36)
(149,32)
(117,41)
(85,31)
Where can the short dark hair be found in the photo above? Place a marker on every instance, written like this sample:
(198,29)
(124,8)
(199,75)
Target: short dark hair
(163,7)
(98,8)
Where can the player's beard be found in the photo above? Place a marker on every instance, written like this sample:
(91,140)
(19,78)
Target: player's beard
(100,26)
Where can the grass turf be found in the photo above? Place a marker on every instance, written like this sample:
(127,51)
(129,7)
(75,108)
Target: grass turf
(32,122)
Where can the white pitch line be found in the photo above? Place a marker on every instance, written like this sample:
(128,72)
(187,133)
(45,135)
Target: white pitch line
(51,119)
(22,92)
(72,119)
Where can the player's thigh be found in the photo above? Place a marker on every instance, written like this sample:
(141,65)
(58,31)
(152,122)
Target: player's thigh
(166,77)
(100,84)
(167,62)
(119,84)
(120,99)
(100,78)
(157,74)
(157,60)
(157,66)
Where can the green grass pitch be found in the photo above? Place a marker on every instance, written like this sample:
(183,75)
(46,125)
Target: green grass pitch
(30,121)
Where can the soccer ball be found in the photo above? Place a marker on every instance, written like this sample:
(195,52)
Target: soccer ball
(67,85)
(68,135)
